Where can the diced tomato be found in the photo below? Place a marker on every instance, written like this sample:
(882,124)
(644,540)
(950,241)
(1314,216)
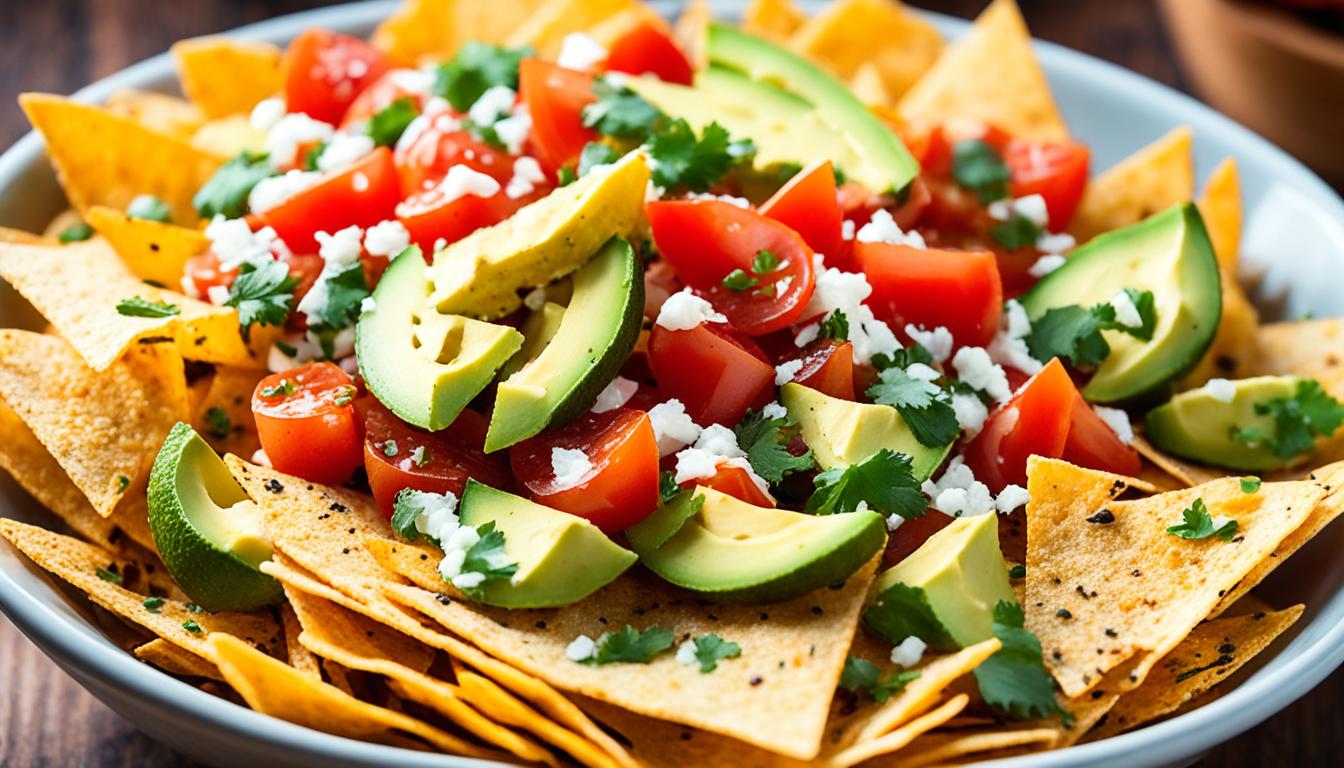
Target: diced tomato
(809,206)
(706,240)
(434,462)
(650,49)
(325,71)
(1093,444)
(363,194)
(431,216)
(555,98)
(306,422)
(911,535)
(736,482)
(1056,172)
(204,272)
(931,143)
(660,282)
(959,290)
(1035,422)
(423,161)
(828,367)
(379,95)
(620,490)
(715,375)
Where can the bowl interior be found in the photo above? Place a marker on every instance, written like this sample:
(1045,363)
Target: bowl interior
(1293,244)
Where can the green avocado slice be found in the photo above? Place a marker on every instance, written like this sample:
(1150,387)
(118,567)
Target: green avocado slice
(208,532)
(1199,426)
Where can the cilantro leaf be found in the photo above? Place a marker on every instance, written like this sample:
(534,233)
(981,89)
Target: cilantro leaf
(153,604)
(285,387)
(835,326)
(345,291)
(903,358)
(108,574)
(667,485)
(150,208)
(902,611)
(739,281)
(631,646)
(1250,484)
(1298,420)
(1146,305)
(680,159)
(766,442)
(764,262)
(477,68)
(225,194)
(488,558)
(977,166)
(596,153)
(1074,333)
(263,294)
(863,675)
(711,649)
(314,154)
(75,233)
(219,422)
(621,113)
(406,508)
(1014,680)
(136,306)
(882,482)
(920,404)
(1198,524)
(1017,232)
(191,626)
(388,123)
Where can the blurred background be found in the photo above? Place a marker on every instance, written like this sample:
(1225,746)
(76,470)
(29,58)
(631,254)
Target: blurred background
(1275,65)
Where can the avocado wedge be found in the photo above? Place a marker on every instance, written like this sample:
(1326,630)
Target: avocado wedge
(1169,254)
(1199,426)
(208,532)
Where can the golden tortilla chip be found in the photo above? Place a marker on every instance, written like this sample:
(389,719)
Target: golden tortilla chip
(86,567)
(106,159)
(151,249)
(989,74)
(11,235)
(881,35)
(277,689)
(1153,179)
(774,20)
(223,415)
(1105,580)
(299,657)
(613,28)
(1313,348)
(868,87)
(692,31)
(63,220)
(77,289)
(1220,205)
(176,661)
(225,77)
(157,111)
(945,747)
(547,26)
(124,411)
(229,136)
(1212,652)
(434,29)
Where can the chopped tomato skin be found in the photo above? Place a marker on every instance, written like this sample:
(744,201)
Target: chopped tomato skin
(379,95)
(736,482)
(650,49)
(364,194)
(715,375)
(555,98)
(808,205)
(828,367)
(620,489)
(1056,172)
(959,290)
(911,535)
(1093,444)
(306,421)
(324,72)
(425,159)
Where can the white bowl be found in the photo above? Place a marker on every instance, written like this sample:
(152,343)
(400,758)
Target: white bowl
(1295,235)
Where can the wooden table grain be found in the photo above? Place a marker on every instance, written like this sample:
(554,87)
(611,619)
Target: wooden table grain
(46,719)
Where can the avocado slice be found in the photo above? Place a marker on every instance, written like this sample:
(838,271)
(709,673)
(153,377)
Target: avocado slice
(423,365)
(208,532)
(481,274)
(961,572)
(733,552)
(842,432)
(885,164)
(1169,254)
(785,129)
(538,329)
(561,558)
(596,334)
(1196,425)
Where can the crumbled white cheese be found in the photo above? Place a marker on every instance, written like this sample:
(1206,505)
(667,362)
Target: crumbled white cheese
(909,652)
(570,466)
(782,285)
(1009,347)
(1126,313)
(260,458)
(922,372)
(514,130)
(338,252)
(267,113)
(235,244)
(882,228)
(386,238)
(344,149)
(1010,498)
(217,294)
(496,102)
(367,305)
(774,411)
(716,445)
(414,130)
(615,394)
(785,371)
(740,202)
(1055,244)
(527,174)
(651,191)
(1219,521)
(684,310)
(976,369)
(846,291)
(957,493)
(938,342)
(1118,421)
(847,229)
(894,521)
(807,334)
(971,413)
(271,192)
(581,649)
(463,180)
(1045,265)
(291,132)
(1222,390)
(581,52)
(672,427)
(686,653)
(1032,208)
(535,298)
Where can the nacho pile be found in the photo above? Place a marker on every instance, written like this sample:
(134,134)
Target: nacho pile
(558,384)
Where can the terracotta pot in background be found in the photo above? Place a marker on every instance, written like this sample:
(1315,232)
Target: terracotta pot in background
(1269,68)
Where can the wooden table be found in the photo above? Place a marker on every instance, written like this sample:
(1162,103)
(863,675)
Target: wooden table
(60,45)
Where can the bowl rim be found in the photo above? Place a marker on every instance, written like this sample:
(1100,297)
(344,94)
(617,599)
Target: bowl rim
(1170,741)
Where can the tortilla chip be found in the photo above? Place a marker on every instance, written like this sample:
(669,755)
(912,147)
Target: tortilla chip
(277,689)
(1312,348)
(434,29)
(77,288)
(1220,205)
(774,20)
(106,159)
(299,657)
(78,564)
(176,661)
(613,28)
(224,416)
(229,136)
(126,410)
(945,747)
(1153,179)
(11,235)
(62,221)
(546,27)
(692,31)
(784,710)
(989,74)
(868,87)
(882,35)
(225,77)
(151,249)
(157,111)
(1100,593)
(1212,652)
(1185,473)
(1013,526)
